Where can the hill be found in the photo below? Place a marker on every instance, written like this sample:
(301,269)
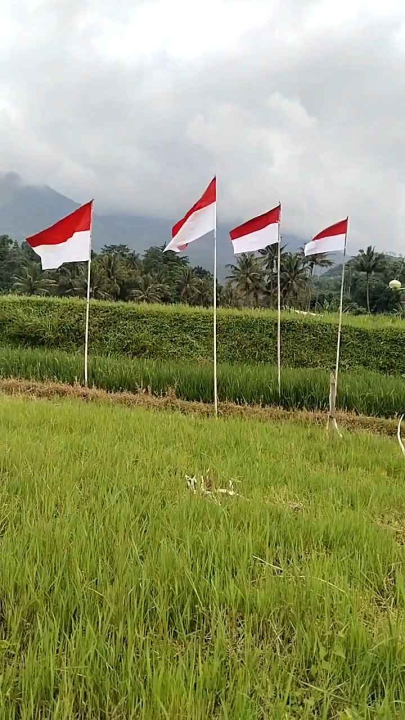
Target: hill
(27,209)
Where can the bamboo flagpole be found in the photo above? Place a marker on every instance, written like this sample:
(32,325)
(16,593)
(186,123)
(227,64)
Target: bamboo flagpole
(215,309)
(68,241)
(279,311)
(332,239)
(86,332)
(197,222)
(341,311)
(259,233)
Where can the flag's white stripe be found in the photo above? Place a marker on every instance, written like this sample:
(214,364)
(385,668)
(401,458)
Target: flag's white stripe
(76,249)
(333,243)
(256,240)
(198,224)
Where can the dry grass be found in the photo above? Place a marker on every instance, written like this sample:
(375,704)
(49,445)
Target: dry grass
(54,390)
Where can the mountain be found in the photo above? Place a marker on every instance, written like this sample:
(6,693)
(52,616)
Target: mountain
(27,209)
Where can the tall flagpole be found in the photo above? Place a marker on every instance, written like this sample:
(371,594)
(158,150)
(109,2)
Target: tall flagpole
(86,332)
(279,313)
(340,313)
(215,305)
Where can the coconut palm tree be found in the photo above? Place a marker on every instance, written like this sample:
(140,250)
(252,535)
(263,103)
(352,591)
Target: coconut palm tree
(230,296)
(321,260)
(205,292)
(248,277)
(149,290)
(369,262)
(111,266)
(73,282)
(188,284)
(294,275)
(269,257)
(269,262)
(31,280)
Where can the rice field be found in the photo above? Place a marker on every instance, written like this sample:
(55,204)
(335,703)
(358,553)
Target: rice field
(124,594)
(363,392)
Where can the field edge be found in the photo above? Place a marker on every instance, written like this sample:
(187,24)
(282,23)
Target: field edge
(36,390)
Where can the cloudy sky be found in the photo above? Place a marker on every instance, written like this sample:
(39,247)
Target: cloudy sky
(298,100)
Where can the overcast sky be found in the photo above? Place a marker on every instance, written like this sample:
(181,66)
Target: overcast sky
(297,100)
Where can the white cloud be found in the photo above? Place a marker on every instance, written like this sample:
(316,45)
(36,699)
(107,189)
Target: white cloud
(139,104)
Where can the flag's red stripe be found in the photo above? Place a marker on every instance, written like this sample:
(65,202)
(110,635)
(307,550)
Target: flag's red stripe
(258,223)
(206,199)
(339,228)
(63,230)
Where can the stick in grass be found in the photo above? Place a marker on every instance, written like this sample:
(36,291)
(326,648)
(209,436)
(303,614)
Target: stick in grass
(332,404)
(401,444)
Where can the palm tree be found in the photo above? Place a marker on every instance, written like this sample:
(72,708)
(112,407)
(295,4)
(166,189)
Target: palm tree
(33,281)
(149,290)
(269,261)
(320,260)
(230,296)
(294,275)
(205,291)
(111,266)
(70,281)
(270,255)
(248,277)
(188,284)
(73,282)
(369,262)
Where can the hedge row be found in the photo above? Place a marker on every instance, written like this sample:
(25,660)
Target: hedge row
(181,333)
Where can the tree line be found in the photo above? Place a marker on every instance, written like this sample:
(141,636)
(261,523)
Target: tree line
(119,273)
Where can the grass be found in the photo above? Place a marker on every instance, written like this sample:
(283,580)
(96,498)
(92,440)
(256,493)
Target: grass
(124,595)
(363,392)
(184,334)
(378,321)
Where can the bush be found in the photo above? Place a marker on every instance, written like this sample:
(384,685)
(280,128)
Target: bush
(183,333)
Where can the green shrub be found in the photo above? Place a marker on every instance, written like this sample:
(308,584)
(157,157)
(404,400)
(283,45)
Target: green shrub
(183,333)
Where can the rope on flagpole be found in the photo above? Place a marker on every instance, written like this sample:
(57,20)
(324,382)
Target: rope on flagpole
(86,332)
(215,306)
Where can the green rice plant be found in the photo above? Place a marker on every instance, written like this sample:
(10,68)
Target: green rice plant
(362,392)
(125,595)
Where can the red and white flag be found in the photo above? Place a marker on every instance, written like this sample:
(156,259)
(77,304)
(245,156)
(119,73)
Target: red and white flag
(66,241)
(199,221)
(257,233)
(333,239)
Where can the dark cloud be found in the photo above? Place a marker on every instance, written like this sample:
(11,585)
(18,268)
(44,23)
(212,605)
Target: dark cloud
(298,106)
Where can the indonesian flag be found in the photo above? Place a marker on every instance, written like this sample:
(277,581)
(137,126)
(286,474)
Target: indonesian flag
(333,239)
(66,241)
(199,221)
(257,233)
